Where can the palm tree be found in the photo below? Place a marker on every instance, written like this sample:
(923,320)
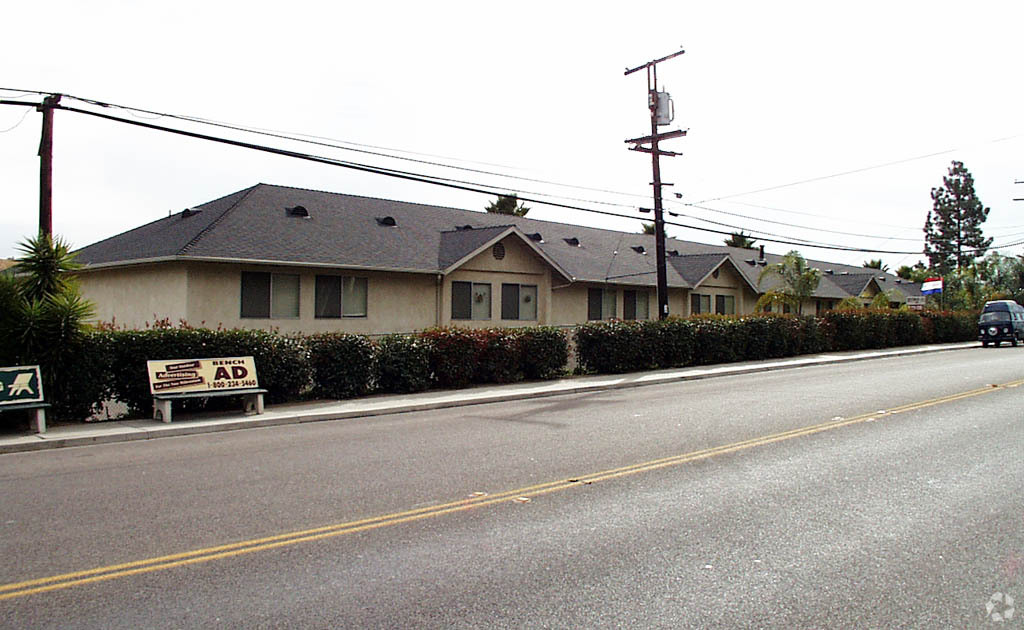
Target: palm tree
(647,228)
(797,281)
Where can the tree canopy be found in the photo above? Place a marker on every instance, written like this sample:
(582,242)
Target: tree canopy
(797,281)
(876,263)
(952,231)
(507,204)
(739,239)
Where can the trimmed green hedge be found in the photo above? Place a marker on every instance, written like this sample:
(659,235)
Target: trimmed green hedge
(111,364)
(618,346)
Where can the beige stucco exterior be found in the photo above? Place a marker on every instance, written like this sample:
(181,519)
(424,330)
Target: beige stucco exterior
(209,293)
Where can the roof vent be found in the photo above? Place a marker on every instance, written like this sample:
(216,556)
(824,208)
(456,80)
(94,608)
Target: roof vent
(297,211)
(639,249)
(536,237)
(844,273)
(463,228)
(881,278)
(763,263)
(673,252)
(829,272)
(188,212)
(575,242)
(751,261)
(387,221)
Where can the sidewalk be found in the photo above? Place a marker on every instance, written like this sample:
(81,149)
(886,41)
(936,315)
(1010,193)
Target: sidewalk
(316,411)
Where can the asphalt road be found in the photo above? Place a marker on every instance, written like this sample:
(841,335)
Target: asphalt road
(885,493)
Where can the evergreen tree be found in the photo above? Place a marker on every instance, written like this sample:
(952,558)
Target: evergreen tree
(648,228)
(507,204)
(952,231)
(739,239)
(876,263)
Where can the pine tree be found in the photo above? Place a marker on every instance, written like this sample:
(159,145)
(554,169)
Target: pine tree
(507,204)
(952,231)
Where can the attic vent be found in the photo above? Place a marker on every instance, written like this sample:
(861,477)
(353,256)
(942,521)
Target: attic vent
(639,249)
(297,211)
(575,242)
(188,212)
(673,252)
(498,251)
(463,228)
(536,237)
(387,221)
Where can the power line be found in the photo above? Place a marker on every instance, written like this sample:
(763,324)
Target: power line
(437,181)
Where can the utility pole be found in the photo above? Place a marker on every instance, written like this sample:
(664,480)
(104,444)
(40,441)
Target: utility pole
(46,165)
(660,106)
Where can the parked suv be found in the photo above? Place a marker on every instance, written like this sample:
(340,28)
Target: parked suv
(1002,320)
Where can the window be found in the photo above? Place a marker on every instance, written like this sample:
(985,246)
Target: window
(725,305)
(471,300)
(274,295)
(340,296)
(600,303)
(519,301)
(699,303)
(635,305)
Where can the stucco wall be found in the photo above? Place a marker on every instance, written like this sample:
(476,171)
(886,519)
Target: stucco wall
(395,302)
(138,295)
(519,265)
(728,282)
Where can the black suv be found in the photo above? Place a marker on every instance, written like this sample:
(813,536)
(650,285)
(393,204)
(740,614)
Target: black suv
(1002,320)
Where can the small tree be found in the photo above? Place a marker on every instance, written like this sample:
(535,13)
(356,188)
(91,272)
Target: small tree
(507,204)
(739,239)
(952,231)
(875,263)
(648,228)
(797,280)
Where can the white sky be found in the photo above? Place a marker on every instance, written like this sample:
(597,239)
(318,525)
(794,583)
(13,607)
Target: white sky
(771,92)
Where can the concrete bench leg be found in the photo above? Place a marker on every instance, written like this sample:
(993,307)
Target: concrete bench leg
(162,410)
(253,403)
(39,421)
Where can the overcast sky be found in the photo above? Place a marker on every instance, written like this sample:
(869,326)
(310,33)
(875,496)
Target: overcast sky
(772,93)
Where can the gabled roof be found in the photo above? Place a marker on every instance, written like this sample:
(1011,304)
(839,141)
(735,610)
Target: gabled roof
(255,225)
(854,283)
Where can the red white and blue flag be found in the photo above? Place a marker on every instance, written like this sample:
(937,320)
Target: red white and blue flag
(931,286)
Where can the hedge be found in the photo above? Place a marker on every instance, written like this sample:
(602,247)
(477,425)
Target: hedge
(617,346)
(111,364)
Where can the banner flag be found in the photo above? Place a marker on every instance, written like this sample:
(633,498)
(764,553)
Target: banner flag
(931,286)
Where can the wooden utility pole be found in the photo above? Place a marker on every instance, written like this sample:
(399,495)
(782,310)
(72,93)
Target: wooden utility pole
(659,218)
(46,165)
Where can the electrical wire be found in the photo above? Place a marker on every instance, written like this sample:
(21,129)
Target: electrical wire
(18,124)
(418,177)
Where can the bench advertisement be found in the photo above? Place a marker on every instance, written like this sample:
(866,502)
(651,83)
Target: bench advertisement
(20,385)
(201,375)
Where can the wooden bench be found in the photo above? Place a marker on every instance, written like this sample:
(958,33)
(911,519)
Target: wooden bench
(21,389)
(182,379)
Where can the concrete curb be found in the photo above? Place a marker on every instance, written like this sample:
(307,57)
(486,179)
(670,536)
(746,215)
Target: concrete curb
(131,430)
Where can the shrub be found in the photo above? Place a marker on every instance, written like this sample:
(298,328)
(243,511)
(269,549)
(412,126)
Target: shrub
(453,355)
(543,351)
(343,365)
(281,361)
(403,364)
(615,346)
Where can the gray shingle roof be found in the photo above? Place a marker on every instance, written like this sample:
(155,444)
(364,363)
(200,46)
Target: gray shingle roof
(343,231)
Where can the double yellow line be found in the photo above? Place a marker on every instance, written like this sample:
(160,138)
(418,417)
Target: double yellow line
(207,554)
